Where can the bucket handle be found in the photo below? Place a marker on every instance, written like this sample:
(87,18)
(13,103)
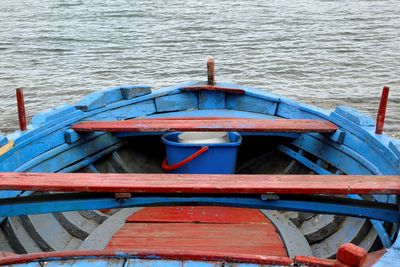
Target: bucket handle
(167,167)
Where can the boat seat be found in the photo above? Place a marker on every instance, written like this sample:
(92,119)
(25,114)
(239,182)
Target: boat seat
(201,184)
(208,124)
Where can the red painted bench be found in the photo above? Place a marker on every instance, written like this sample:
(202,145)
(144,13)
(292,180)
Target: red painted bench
(201,184)
(207,124)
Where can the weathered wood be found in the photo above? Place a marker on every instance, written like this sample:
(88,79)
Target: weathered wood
(252,234)
(21,109)
(208,124)
(201,184)
(176,102)
(251,104)
(211,100)
(214,89)
(380,118)
(238,238)
(187,254)
(202,214)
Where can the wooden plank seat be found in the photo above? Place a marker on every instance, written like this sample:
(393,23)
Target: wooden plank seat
(201,184)
(208,124)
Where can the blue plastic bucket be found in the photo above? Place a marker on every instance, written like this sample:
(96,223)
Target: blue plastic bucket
(215,158)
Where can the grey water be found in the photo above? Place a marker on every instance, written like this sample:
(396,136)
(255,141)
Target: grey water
(322,52)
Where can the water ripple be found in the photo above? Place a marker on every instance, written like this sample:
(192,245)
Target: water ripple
(323,52)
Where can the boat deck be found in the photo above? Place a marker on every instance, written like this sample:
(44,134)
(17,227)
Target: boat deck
(202,229)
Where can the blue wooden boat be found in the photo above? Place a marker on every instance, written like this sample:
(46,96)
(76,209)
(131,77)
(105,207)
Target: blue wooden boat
(311,187)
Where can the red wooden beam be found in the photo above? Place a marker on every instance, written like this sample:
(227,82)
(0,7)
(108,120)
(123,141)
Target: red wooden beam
(21,109)
(201,184)
(380,118)
(210,71)
(205,124)
(213,88)
(172,254)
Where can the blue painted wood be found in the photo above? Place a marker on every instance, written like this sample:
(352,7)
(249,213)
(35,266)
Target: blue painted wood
(92,168)
(91,102)
(71,136)
(112,94)
(384,212)
(126,92)
(88,161)
(354,115)
(53,114)
(75,154)
(292,108)
(132,91)
(16,157)
(45,130)
(3,140)
(381,159)
(331,155)
(59,123)
(175,102)
(337,137)
(98,262)
(394,145)
(378,225)
(367,143)
(211,100)
(54,152)
(295,111)
(29,264)
(127,112)
(377,144)
(303,160)
(153,263)
(9,194)
(391,257)
(351,153)
(250,103)
(201,264)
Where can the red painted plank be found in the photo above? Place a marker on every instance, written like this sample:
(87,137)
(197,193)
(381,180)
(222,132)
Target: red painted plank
(184,254)
(257,239)
(380,118)
(198,183)
(313,261)
(198,215)
(4,254)
(205,124)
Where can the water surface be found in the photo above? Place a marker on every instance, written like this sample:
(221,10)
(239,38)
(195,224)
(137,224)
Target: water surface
(318,51)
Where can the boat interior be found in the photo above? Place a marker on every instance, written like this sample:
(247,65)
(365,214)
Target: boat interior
(54,143)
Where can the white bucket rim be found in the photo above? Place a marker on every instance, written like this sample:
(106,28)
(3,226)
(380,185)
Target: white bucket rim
(203,137)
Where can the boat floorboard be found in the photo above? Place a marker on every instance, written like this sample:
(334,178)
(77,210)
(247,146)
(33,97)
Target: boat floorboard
(205,229)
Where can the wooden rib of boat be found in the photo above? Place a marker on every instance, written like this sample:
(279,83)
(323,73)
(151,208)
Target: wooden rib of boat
(84,183)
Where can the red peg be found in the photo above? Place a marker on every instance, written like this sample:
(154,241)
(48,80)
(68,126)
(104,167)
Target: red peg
(21,109)
(210,71)
(380,119)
